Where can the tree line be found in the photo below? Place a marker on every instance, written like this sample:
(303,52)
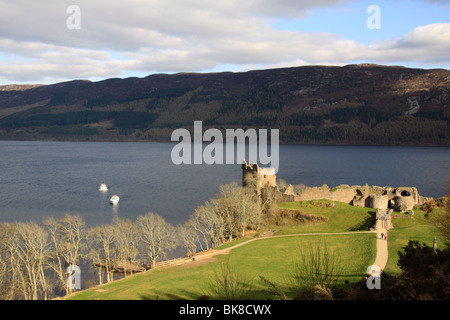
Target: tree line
(34,257)
(127,119)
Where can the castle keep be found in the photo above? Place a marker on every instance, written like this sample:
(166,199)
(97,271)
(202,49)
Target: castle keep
(401,199)
(257,177)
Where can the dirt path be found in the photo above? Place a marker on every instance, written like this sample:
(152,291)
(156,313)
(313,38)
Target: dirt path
(382,247)
(208,256)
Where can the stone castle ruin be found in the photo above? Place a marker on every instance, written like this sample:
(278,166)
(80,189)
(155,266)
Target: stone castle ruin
(402,199)
(257,177)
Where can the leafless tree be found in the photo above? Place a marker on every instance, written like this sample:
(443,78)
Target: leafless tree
(101,239)
(208,223)
(10,279)
(229,215)
(67,238)
(31,255)
(248,208)
(226,209)
(189,237)
(2,273)
(126,243)
(268,200)
(240,209)
(158,236)
(282,184)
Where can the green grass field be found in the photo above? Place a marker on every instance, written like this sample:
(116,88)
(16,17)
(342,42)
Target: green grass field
(421,228)
(274,258)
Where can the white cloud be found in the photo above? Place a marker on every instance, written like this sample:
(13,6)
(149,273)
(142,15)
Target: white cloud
(179,35)
(428,44)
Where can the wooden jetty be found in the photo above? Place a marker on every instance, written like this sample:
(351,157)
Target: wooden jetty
(134,268)
(119,267)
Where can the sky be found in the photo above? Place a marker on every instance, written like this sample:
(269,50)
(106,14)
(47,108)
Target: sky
(49,41)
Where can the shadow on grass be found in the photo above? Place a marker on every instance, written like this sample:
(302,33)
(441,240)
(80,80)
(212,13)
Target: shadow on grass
(366,224)
(159,295)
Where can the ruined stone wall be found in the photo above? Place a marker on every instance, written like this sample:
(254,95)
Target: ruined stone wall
(401,199)
(256,177)
(267,177)
(344,194)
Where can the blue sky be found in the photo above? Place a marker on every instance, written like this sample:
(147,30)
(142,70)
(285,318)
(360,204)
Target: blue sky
(141,37)
(349,19)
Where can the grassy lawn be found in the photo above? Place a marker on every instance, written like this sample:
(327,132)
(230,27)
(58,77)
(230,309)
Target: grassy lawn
(272,258)
(342,217)
(420,228)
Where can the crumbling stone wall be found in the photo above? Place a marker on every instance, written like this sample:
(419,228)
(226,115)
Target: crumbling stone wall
(342,193)
(400,199)
(384,219)
(378,201)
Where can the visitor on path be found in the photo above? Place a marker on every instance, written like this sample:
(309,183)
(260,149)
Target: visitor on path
(382,235)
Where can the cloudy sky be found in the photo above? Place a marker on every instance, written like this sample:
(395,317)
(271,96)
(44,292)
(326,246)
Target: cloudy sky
(49,41)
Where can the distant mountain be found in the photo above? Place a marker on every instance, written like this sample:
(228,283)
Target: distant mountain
(354,104)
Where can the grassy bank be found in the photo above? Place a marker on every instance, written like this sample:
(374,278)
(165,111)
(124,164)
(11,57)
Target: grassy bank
(275,257)
(341,217)
(420,227)
(272,258)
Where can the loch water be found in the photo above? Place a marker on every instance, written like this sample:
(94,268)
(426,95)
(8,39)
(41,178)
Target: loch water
(39,179)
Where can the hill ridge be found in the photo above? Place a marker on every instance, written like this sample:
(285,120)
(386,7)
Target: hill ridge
(352,104)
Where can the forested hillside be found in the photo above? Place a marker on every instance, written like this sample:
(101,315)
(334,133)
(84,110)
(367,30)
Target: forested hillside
(355,104)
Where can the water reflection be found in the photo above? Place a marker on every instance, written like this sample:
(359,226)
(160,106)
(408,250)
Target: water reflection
(115,210)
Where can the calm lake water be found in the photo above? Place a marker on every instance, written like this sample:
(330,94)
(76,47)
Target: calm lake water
(39,179)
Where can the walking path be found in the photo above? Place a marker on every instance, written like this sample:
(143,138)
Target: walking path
(382,246)
(380,261)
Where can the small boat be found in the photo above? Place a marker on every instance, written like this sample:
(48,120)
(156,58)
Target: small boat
(114,199)
(103,187)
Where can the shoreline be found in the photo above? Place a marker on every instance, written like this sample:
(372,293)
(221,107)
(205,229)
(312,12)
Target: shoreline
(285,143)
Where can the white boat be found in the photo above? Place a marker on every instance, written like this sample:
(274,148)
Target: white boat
(103,187)
(114,199)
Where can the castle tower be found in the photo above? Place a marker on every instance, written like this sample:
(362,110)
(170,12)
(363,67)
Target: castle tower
(256,177)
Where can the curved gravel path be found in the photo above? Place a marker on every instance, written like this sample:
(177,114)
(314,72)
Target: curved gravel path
(380,261)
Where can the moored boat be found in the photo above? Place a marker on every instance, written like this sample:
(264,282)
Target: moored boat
(114,199)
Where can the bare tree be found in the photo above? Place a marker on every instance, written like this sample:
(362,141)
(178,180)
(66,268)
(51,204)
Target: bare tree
(101,239)
(268,200)
(31,251)
(282,184)
(126,243)
(229,215)
(239,208)
(11,279)
(189,237)
(248,208)
(2,273)
(157,236)
(67,237)
(208,223)
(226,209)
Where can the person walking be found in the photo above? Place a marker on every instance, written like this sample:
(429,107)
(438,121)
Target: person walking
(382,235)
